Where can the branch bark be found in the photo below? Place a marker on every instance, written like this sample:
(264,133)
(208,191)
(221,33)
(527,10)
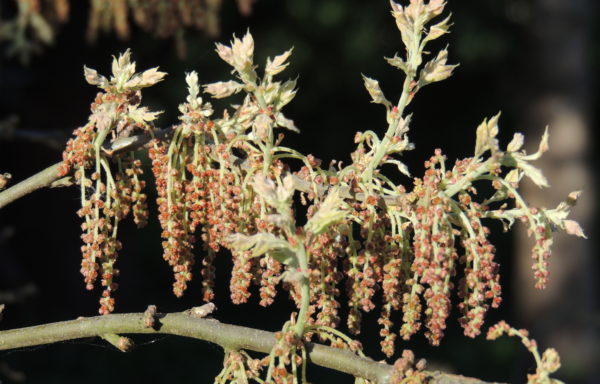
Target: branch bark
(40,180)
(226,335)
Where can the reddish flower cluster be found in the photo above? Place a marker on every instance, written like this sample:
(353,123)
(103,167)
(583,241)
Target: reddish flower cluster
(271,271)
(434,257)
(241,277)
(481,281)
(239,366)
(79,150)
(178,243)
(138,198)
(364,265)
(214,203)
(392,294)
(407,251)
(99,250)
(406,370)
(325,253)
(542,233)
(107,195)
(282,369)
(198,189)
(102,212)
(410,253)
(540,254)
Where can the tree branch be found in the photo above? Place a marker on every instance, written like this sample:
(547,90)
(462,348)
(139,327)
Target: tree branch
(40,180)
(226,335)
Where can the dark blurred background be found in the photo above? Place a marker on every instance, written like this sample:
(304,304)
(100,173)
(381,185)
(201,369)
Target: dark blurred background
(536,60)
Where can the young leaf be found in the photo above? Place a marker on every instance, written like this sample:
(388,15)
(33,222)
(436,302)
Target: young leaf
(275,196)
(573,228)
(486,136)
(375,91)
(542,148)
(142,114)
(435,8)
(521,160)
(122,69)
(438,30)
(223,89)
(397,62)
(287,92)
(516,143)
(278,64)
(514,176)
(191,79)
(286,123)
(532,172)
(558,216)
(263,124)
(242,54)
(225,53)
(331,211)
(436,69)
(262,243)
(145,79)
(93,78)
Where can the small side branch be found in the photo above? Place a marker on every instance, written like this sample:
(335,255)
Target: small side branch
(226,335)
(40,180)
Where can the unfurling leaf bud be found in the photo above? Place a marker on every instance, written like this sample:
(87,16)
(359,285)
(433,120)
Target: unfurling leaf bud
(550,360)
(436,69)
(438,30)
(223,89)
(278,64)
(486,136)
(573,228)
(516,143)
(375,91)
(93,78)
(331,211)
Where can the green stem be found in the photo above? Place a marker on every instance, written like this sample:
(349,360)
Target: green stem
(305,292)
(40,180)
(385,143)
(470,176)
(335,332)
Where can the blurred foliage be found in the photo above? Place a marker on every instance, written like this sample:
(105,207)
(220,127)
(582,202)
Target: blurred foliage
(29,25)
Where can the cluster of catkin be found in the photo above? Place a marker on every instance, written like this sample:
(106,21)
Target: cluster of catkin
(109,193)
(111,187)
(405,250)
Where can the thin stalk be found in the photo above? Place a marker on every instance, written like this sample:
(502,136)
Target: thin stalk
(383,146)
(471,176)
(305,292)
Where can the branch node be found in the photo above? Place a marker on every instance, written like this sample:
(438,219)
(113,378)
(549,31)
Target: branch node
(122,343)
(149,317)
(201,311)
